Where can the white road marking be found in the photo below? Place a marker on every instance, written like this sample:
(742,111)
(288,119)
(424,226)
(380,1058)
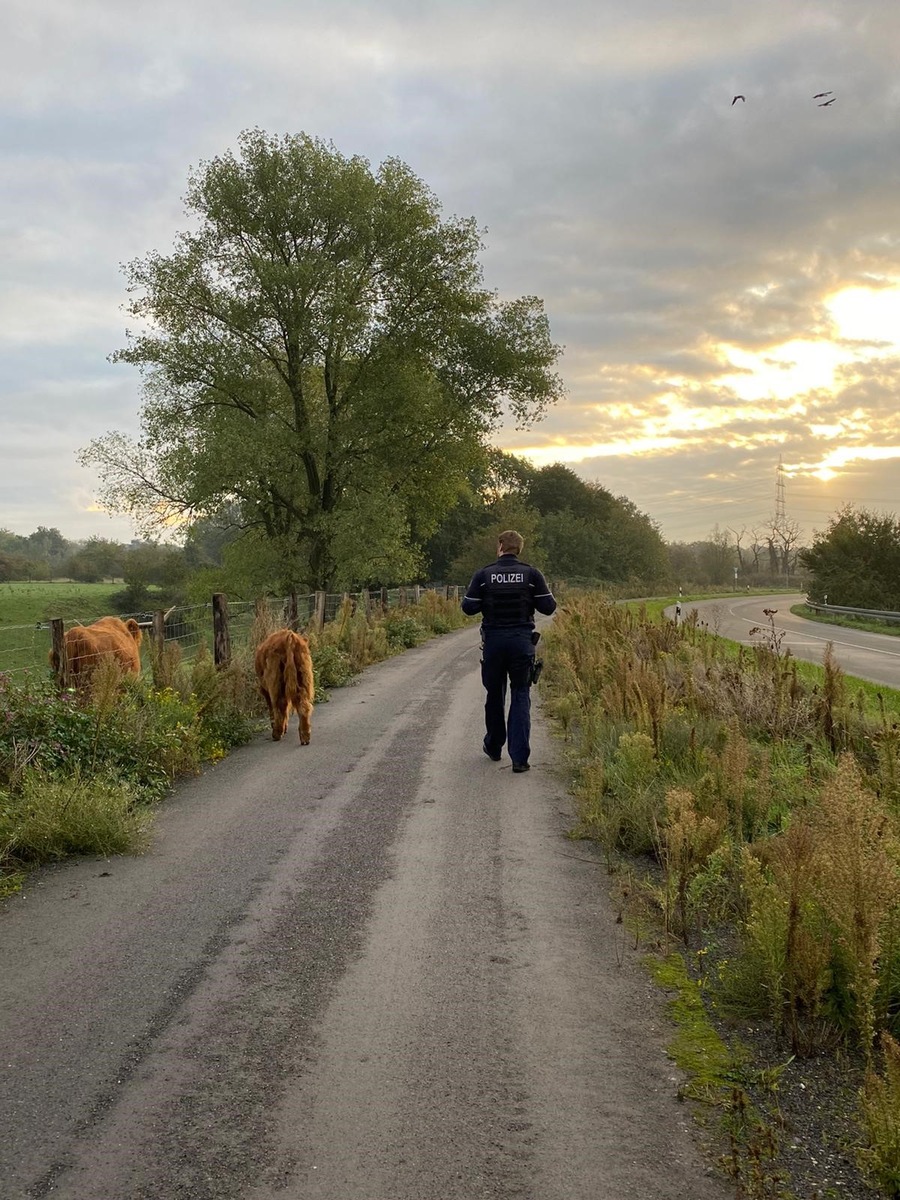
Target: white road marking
(762,624)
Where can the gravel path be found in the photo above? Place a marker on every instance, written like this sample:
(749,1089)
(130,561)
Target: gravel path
(368,969)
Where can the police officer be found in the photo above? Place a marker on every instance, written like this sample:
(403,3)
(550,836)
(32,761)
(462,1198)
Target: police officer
(507,593)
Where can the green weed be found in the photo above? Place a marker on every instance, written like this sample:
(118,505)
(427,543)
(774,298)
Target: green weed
(50,818)
(880,1107)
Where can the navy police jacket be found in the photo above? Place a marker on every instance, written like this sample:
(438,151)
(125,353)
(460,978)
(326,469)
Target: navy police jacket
(507,593)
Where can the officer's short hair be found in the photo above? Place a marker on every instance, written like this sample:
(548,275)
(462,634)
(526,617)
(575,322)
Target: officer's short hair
(511,542)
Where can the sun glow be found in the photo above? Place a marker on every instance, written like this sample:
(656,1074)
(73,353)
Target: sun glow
(868,315)
(758,397)
(782,372)
(832,464)
(571,452)
(843,455)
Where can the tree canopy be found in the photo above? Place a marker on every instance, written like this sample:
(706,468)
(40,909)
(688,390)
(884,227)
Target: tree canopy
(320,351)
(574,530)
(590,534)
(856,561)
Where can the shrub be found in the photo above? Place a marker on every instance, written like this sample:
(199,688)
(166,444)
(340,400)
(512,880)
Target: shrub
(403,631)
(50,818)
(634,796)
(438,614)
(687,841)
(72,767)
(332,668)
(41,727)
(770,792)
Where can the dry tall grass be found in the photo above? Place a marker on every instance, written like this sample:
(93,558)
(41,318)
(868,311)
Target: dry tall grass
(744,782)
(772,807)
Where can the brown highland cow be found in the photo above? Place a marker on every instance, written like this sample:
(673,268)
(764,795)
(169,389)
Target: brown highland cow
(285,673)
(87,645)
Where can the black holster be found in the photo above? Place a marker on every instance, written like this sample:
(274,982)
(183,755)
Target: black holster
(537,664)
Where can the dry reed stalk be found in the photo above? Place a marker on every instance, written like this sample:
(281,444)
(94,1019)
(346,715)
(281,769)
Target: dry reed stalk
(858,879)
(880,1106)
(807,949)
(686,842)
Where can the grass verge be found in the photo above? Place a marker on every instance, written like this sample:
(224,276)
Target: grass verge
(766,794)
(868,626)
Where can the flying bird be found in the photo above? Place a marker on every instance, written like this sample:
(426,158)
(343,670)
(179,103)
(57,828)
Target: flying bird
(819,95)
(735,100)
(825,103)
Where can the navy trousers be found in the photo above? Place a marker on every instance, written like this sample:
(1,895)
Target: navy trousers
(507,656)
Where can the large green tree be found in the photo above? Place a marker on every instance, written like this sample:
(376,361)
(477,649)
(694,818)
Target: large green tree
(574,530)
(556,488)
(97,559)
(320,350)
(472,517)
(856,561)
(590,534)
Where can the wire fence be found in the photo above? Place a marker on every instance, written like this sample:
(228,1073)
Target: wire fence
(26,649)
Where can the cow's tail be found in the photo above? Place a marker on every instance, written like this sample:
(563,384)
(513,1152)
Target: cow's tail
(303,667)
(293,671)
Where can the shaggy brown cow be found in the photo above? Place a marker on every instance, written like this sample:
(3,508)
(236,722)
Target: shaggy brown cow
(87,645)
(285,673)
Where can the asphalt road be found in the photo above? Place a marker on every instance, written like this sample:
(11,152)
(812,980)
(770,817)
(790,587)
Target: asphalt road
(872,656)
(368,969)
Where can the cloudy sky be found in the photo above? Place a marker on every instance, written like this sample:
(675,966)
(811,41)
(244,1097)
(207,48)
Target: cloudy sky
(725,277)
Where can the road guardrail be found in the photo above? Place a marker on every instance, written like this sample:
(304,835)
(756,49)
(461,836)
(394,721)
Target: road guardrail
(864,613)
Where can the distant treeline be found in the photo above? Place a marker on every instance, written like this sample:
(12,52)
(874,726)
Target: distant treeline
(574,530)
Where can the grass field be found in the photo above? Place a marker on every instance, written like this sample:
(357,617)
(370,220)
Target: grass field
(26,607)
(28,603)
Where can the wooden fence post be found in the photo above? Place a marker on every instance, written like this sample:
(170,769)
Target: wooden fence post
(417,593)
(319,619)
(293,612)
(221,636)
(364,600)
(158,631)
(384,600)
(58,640)
(157,646)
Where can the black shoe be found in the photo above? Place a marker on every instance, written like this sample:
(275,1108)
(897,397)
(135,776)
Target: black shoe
(519,767)
(492,757)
